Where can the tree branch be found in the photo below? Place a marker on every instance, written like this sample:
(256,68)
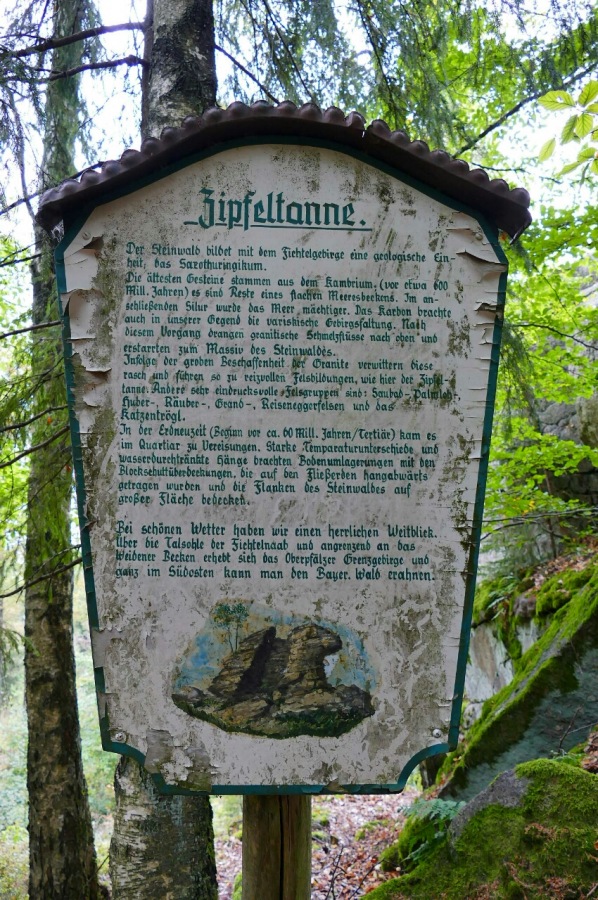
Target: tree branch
(130,60)
(7,209)
(523,520)
(40,446)
(53,324)
(45,577)
(562,334)
(16,262)
(287,49)
(53,42)
(40,415)
(239,65)
(518,107)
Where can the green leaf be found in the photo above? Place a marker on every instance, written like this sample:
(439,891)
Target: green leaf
(587,153)
(571,166)
(568,132)
(592,108)
(547,150)
(589,93)
(584,124)
(557,100)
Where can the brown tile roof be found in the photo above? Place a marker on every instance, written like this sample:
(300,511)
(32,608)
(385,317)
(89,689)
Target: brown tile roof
(507,208)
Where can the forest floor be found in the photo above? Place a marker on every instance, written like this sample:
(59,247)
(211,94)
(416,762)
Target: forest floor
(348,835)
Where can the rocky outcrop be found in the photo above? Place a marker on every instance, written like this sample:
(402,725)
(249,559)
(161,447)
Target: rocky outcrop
(278,688)
(539,713)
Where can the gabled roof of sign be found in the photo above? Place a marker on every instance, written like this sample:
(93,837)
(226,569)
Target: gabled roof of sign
(506,207)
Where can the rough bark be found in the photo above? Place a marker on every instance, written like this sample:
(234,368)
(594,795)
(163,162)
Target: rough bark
(162,846)
(62,856)
(61,852)
(180,78)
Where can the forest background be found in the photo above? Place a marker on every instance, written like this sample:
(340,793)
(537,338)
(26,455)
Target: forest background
(464,76)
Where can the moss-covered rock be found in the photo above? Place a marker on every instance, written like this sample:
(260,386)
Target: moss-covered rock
(552,693)
(426,827)
(538,843)
(557,591)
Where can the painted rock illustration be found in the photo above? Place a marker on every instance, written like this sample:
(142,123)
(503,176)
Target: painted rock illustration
(278,687)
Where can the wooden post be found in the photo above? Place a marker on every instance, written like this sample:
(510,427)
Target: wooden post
(276,847)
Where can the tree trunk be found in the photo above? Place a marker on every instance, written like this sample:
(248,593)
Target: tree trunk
(163,846)
(181,75)
(61,854)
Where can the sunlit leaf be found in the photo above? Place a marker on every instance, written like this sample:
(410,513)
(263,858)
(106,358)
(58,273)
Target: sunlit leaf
(570,167)
(547,150)
(557,100)
(568,132)
(589,93)
(584,124)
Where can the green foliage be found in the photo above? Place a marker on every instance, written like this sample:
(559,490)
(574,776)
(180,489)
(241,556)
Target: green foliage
(425,829)
(228,814)
(493,593)
(581,124)
(546,359)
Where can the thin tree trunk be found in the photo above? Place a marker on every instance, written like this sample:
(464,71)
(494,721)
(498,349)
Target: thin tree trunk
(163,846)
(62,856)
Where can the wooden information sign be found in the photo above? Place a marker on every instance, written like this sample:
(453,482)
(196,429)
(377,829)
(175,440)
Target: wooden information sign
(282,337)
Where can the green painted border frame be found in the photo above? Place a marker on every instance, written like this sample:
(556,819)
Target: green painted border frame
(73,226)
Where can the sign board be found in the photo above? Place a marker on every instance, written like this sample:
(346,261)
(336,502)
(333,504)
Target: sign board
(281,358)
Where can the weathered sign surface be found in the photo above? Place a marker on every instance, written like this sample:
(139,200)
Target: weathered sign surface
(281,357)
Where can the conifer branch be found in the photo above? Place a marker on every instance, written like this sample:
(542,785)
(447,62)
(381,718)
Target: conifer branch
(54,437)
(130,60)
(53,324)
(247,72)
(30,421)
(554,330)
(48,575)
(54,42)
(24,259)
(287,48)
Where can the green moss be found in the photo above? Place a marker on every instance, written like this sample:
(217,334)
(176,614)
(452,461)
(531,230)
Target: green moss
(549,666)
(517,852)
(557,591)
(426,827)
(320,817)
(390,858)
